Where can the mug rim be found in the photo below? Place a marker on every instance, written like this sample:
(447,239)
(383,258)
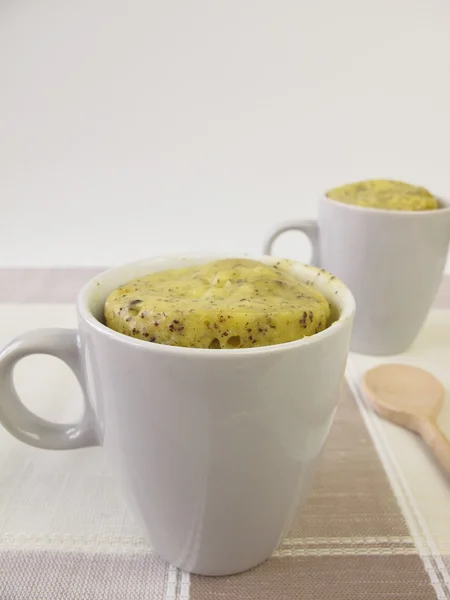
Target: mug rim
(408,214)
(337,287)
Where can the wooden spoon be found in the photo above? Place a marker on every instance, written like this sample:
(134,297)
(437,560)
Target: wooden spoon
(411,398)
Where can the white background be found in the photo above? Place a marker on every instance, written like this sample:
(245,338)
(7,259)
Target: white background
(132,128)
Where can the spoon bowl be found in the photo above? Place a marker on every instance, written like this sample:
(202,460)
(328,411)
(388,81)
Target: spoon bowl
(412,398)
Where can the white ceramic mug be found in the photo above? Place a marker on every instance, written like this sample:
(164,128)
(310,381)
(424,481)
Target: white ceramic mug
(392,261)
(214,449)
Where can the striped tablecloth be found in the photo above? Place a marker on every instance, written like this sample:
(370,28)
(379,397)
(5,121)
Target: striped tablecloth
(369,529)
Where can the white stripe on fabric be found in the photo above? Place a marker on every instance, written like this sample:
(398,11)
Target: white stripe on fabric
(350,541)
(172,584)
(185,584)
(345,551)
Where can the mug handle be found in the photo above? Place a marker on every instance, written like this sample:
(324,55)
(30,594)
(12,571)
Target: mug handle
(18,419)
(309,228)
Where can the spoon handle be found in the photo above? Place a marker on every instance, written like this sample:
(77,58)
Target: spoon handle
(437,442)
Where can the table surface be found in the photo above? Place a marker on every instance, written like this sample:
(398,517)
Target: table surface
(350,541)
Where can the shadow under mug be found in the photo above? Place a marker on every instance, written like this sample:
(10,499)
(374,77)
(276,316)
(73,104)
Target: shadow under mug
(392,261)
(214,450)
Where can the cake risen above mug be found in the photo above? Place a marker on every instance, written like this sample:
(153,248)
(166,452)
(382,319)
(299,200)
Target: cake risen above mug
(384,194)
(225,304)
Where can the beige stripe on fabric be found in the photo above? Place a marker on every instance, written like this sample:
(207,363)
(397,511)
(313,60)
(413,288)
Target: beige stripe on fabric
(48,286)
(46,575)
(351,496)
(443,296)
(62,285)
(323,578)
(349,541)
